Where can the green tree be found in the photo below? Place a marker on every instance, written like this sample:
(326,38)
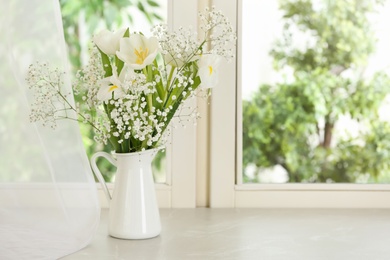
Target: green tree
(81,20)
(292,123)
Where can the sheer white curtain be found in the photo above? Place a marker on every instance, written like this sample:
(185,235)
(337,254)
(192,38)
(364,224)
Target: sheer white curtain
(48,199)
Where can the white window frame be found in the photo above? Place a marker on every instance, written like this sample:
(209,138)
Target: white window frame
(226,188)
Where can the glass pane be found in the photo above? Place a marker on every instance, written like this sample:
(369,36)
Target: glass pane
(81,21)
(315,91)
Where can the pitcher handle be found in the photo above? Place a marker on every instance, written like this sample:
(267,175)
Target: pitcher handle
(98,174)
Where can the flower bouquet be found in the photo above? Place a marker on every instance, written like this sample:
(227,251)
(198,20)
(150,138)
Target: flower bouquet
(135,85)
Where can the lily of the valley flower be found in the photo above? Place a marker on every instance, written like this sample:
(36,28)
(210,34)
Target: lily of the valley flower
(137,51)
(107,41)
(111,87)
(208,70)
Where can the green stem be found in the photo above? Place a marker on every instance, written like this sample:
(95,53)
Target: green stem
(149,99)
(170,77)
(175,106)
(113,140)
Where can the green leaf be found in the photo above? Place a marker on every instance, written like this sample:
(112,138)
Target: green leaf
(158,17)
(153,3)
(148,17)
(130,18)
(127,33)
(141,7)
(119,64)
(106,64)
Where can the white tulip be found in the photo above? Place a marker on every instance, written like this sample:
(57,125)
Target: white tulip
(108,42)
(111,87)
(137,51)
(208,70)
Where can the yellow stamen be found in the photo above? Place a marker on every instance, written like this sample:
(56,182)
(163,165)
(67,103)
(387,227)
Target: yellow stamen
(210,70)
(112,88)
(141,55)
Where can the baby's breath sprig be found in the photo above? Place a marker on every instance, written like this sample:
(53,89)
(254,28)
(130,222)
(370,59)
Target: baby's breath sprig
(51,103)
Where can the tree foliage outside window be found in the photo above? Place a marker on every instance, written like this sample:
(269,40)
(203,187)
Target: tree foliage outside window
(294,123)
(82,19)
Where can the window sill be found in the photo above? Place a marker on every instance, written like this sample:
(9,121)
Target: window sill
(252,234)
(312,196)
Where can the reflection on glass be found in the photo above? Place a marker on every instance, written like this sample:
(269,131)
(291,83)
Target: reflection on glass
(315,89)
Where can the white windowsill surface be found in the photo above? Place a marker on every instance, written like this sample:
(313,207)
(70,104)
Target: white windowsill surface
(253,234)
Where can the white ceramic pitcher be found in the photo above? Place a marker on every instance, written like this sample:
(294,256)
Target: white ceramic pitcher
(134,212)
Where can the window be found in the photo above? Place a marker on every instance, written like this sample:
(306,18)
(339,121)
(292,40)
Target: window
(229,188)
(314,89)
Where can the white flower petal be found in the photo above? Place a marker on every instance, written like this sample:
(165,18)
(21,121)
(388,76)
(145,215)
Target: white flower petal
(208,71)
(137,51)
(110,91)
(110,87)
(107,41)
